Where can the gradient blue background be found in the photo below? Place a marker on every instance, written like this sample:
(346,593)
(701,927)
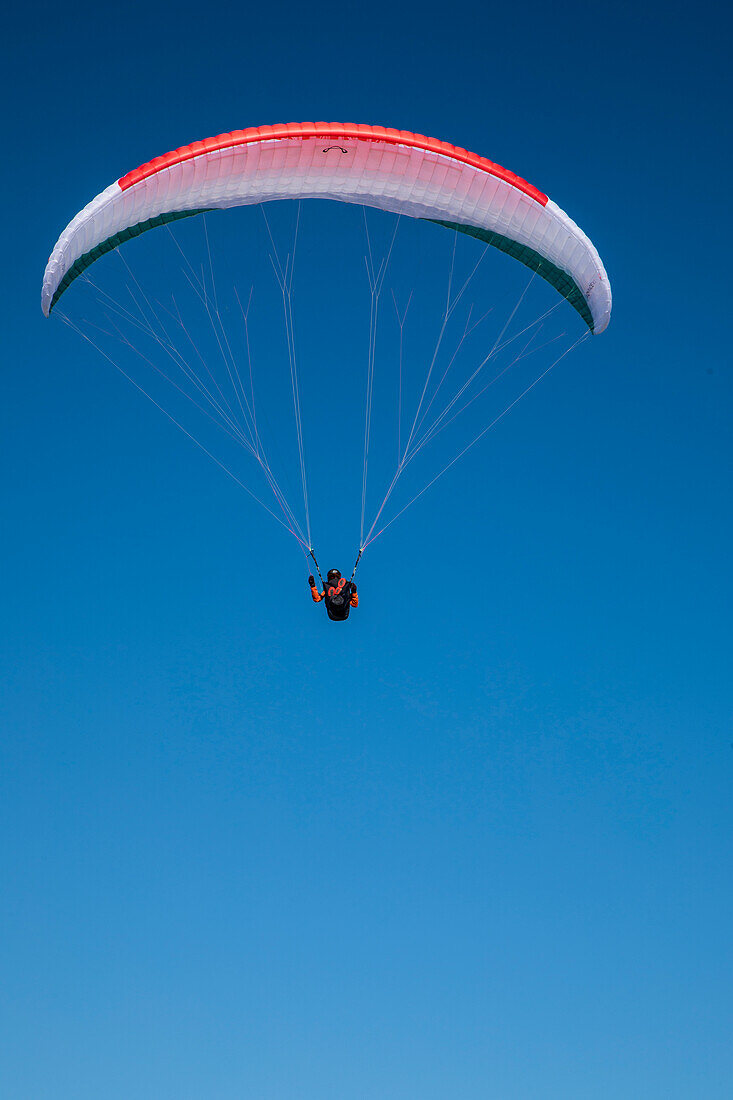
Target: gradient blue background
(434,855)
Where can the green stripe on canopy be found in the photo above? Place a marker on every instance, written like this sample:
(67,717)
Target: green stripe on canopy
(93,254)
(555,276)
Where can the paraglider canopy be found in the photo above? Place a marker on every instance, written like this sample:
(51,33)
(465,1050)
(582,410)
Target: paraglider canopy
(393,170)
(414,177)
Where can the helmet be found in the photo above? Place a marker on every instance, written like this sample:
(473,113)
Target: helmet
(333,575)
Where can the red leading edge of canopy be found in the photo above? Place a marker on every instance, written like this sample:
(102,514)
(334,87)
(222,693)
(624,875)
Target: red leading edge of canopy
(328,130)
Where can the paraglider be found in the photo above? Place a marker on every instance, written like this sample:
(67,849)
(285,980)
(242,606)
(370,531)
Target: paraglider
(339,595)
(396,171)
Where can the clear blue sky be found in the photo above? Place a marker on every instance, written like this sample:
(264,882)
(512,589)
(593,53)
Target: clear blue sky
(442,852)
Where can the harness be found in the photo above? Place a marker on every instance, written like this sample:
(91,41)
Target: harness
(338,600)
